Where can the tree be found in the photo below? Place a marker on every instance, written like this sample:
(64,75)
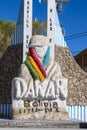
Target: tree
(7,29)
(6,32)
(39,28)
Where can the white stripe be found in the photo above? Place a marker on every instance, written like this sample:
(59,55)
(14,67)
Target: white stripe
(82,112)
(85,113)
(73,112)
(76,108)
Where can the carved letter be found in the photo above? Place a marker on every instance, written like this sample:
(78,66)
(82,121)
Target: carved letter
(19,88)
(61,88)
(41,88)
(50,91)
(30,92)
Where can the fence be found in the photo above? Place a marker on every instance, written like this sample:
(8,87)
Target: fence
(75,112)
(5,111)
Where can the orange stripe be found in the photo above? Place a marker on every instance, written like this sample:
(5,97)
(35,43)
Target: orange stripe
(33,63)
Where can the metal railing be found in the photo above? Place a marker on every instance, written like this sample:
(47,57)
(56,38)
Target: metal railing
(77,112)
(5,111)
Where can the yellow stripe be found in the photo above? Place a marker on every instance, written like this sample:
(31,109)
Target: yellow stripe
(36,68)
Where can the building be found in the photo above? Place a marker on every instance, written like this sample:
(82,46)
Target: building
(81,59)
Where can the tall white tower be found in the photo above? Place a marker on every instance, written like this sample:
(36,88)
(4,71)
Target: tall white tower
(51,23)
(54,31)
(27,30)
(23,31)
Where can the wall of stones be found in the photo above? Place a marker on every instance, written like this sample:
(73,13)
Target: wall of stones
(9,68)
(77,86)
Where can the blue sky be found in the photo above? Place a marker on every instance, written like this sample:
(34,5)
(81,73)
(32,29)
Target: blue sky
(73,19)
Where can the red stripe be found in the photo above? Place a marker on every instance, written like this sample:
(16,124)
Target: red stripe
(38,62)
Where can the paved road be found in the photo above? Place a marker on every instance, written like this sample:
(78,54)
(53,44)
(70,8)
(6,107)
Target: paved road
(42,123)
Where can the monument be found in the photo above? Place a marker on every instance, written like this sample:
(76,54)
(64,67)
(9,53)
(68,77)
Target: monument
(40,91)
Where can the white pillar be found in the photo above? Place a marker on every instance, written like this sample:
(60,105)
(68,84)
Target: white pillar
(51,24)
(27,28)
(59,37)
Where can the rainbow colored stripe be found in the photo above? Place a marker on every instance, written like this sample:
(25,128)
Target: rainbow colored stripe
(33,54)
(35,67)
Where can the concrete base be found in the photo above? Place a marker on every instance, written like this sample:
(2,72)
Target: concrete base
(48,114)
(42,124)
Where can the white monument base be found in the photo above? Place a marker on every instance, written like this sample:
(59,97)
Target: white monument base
(22,113)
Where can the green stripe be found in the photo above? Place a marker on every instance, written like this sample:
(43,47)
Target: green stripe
(32,71)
